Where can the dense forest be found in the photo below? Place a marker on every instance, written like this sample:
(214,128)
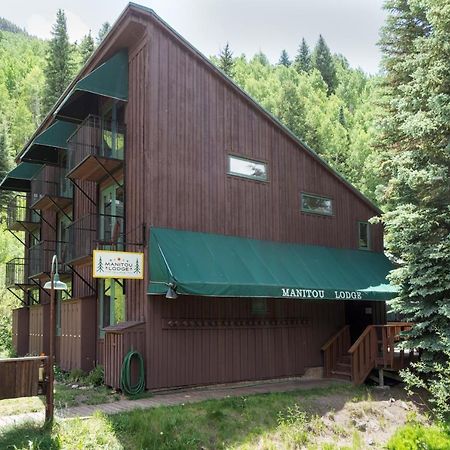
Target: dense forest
(388,134)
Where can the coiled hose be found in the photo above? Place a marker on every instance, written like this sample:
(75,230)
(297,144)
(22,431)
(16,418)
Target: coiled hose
(125,374)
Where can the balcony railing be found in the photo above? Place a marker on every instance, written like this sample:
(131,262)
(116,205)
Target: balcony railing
(97,147)
(19,217)
(51,186)
(16,273)
(93,231)
(41,254)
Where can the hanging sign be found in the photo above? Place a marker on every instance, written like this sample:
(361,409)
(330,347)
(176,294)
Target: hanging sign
(112,264)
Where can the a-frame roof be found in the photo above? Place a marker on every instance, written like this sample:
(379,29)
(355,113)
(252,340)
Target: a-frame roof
(104,50)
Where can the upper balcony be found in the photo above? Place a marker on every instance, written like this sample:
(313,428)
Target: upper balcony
(41,255)
(50,188)
(16,274)
(96,149)
(19,217)
(90,232)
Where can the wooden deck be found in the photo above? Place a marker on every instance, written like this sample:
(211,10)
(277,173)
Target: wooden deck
(377,348)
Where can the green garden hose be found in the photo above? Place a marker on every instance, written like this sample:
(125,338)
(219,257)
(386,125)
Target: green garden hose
(125,374)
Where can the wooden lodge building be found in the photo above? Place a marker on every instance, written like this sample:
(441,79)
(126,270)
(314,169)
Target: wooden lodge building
(266,254)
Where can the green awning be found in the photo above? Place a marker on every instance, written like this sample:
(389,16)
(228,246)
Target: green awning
(19,178)
(42,149)
(110,79)
(226,266)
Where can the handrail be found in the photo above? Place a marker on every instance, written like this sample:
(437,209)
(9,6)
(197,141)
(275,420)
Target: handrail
(334,337)
(334,349)
(357,343)
(376,347)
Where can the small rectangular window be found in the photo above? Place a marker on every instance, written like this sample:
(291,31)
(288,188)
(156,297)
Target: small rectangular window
(255,170)
(316,204)
(364,235)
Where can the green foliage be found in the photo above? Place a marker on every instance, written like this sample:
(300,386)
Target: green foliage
(104,29)
(323,62)
(60,65)
(303,58)
(6,348)
(415,436)
(86,47)
(96,376)
(226,62)
(6,25)
(415,164)
(284,59)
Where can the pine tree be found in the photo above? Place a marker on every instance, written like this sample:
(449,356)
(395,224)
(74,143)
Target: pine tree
(60,68)
(137,268)
(303,59)
(86,47)
(416,137)
(103,32)
(100,265)
(323,62)
(226,62)
(284,59)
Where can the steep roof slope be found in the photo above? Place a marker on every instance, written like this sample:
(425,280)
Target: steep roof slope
(113,35)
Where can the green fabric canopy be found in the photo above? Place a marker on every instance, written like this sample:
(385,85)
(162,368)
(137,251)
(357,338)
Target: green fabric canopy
(42,149)
(227,266)
(110,79)
(19,178)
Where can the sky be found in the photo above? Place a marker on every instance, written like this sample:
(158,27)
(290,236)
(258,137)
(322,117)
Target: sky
(350,27)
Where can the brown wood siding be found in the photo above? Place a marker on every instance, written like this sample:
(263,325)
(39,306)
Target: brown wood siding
(38,321)
(78,325)
(116,345)
(201,340)
(20,330)
(182,123)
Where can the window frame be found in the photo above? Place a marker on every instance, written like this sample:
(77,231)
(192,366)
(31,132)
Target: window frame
(317,213)
(369,235)
(247,177)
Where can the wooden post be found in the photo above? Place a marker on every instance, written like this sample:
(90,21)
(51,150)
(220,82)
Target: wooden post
(50,379)
(381,377)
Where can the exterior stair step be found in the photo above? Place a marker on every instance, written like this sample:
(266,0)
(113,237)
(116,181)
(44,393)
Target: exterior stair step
(343,367)
(341,375)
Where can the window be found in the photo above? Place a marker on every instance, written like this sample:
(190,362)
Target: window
(255,170)
(364,235)
(317,205)
(112,303)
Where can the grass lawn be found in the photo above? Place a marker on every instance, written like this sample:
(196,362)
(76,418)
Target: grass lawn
(338,417)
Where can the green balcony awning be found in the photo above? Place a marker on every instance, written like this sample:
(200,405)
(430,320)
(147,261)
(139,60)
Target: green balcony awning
(110,79)
(225,266)
(19,178)
(42,149)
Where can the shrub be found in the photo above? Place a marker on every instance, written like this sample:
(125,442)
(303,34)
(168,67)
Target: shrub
(76,375)
(96,376)
(414,436)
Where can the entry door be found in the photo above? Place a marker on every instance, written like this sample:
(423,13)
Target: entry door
(358,315)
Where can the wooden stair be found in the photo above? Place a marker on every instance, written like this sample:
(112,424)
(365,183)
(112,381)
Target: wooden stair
(375,348)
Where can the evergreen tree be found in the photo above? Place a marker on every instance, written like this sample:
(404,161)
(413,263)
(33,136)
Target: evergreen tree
(323,62)
(226,62)
(284,59)
(86,47)
(60,68)
(416,137)
(103,32)
(303,59)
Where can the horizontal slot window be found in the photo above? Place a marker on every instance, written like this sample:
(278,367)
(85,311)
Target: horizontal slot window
(247,168)
(316,204)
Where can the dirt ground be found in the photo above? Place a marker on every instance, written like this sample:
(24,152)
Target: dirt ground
(363,423)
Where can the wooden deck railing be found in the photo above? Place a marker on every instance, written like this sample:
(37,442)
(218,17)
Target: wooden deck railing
(376,347)
(363,354)
(336,347)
